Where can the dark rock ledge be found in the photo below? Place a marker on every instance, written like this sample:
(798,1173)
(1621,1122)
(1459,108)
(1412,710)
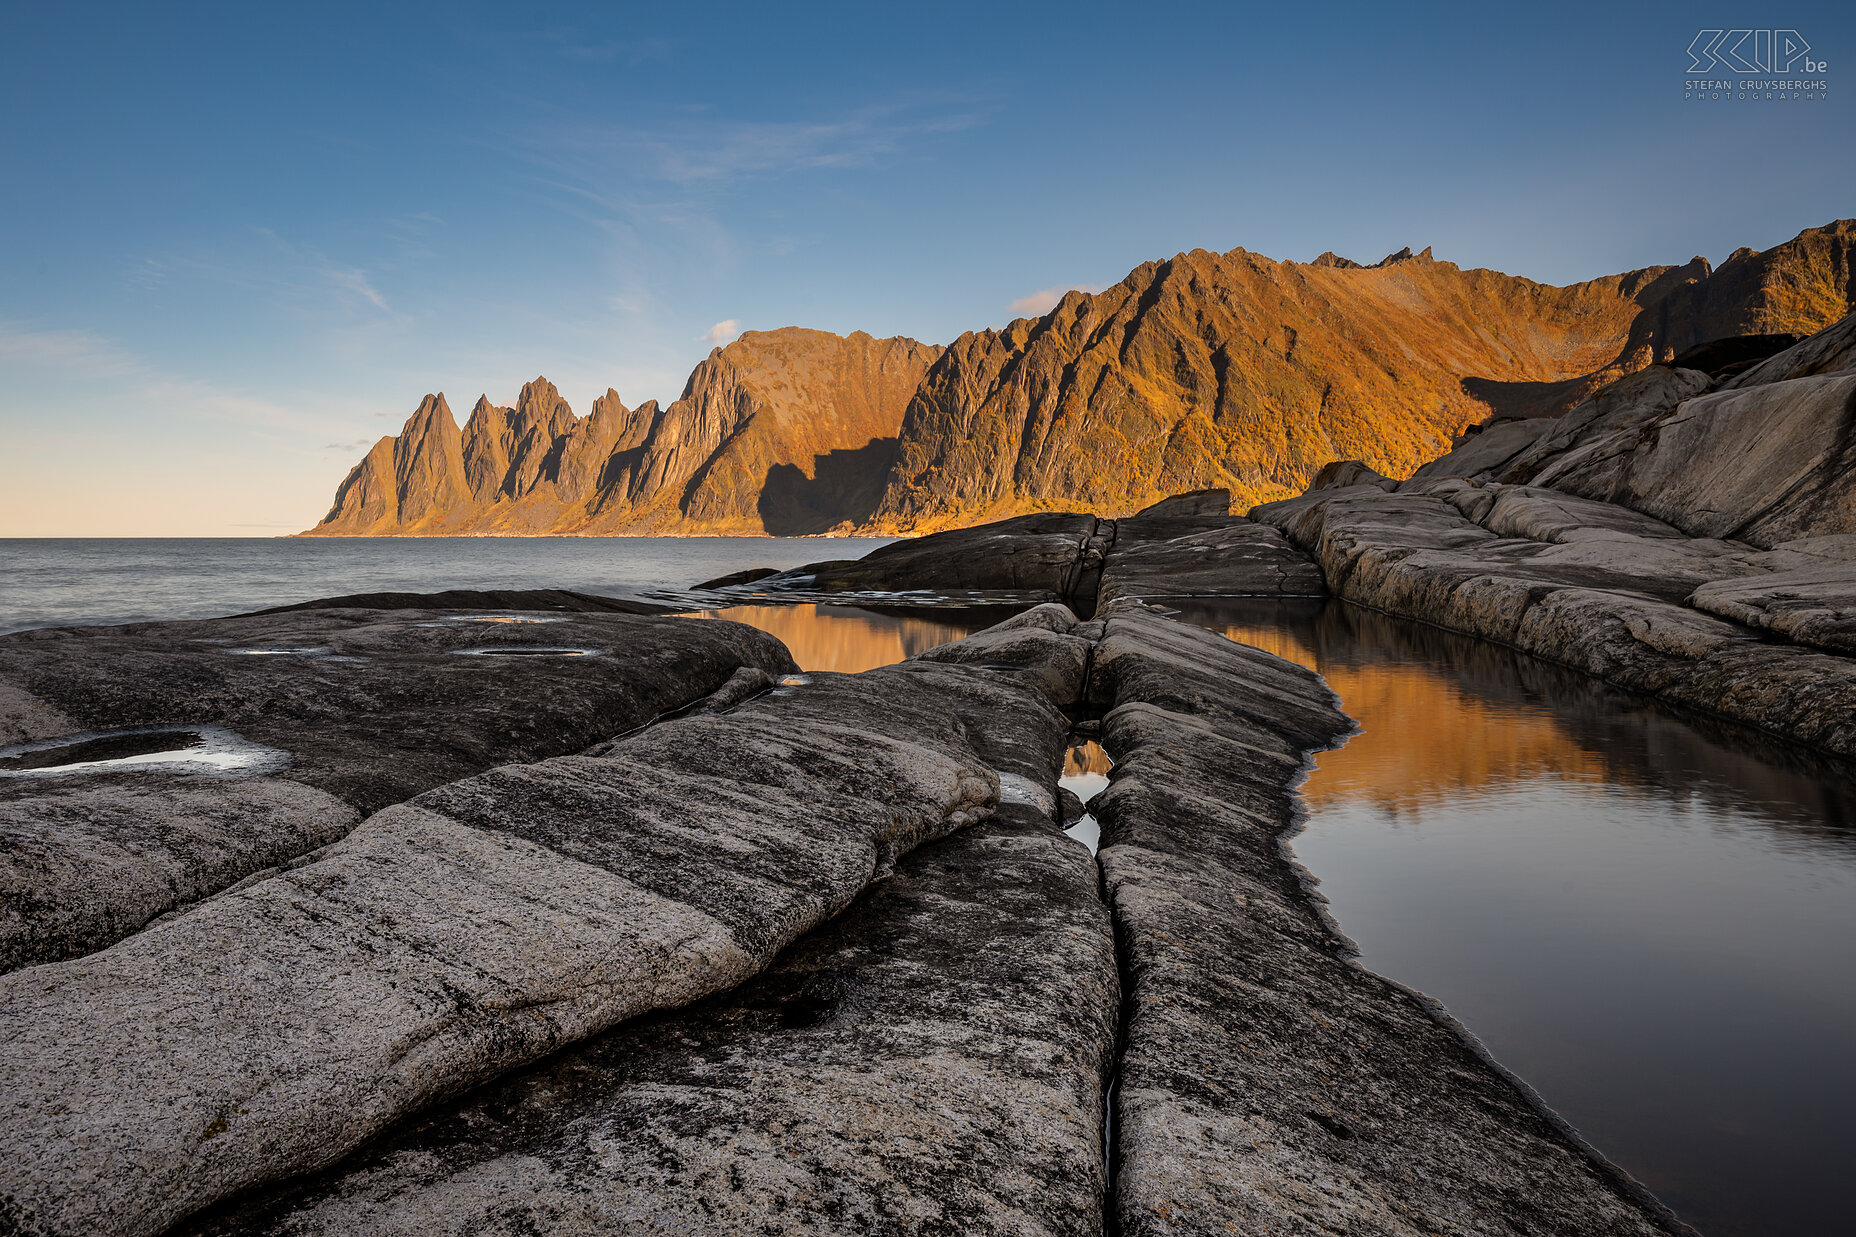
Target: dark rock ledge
(373,706)
(1188,545)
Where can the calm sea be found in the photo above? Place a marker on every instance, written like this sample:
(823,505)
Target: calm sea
(61,581)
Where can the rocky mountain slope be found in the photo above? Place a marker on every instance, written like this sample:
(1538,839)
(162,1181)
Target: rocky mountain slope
(1233,370)
(1203,371)
(786,432)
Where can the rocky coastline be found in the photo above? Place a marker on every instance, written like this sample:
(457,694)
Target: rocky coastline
(889,993)
(523,913)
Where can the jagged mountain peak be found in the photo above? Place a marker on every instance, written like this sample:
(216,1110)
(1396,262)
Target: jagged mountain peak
(1204,370)
(786,430)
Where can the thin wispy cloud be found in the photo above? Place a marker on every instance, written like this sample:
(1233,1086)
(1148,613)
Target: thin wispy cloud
(82,356)
(1041,302)
(705,151)
(354,279)
(287,270)
(722,332)
(82,351)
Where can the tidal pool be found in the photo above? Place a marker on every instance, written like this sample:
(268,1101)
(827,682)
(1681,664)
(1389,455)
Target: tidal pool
(849,639)
(1651,919)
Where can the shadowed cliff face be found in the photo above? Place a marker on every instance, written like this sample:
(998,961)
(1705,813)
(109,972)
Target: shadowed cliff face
(1233,370)
(784,431)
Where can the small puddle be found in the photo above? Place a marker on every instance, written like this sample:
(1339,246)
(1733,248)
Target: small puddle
(313,653)
(517,650)
(512,619)
(791,684)
(142,749)
(1085,775)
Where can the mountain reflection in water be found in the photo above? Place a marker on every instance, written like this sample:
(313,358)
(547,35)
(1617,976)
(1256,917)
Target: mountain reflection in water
(849,639)
(1649,918)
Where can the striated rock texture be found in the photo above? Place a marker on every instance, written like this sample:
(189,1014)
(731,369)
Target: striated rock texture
(784,432)
(931,1061)
(1233,370)
(363,708)
(470,931)
(1267,1083)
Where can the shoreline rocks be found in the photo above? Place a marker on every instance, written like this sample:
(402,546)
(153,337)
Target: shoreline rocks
(1267,1084)
(372,706)
(930,1060)
(813,958)
(1187,545)
(449,939)
(1694,544)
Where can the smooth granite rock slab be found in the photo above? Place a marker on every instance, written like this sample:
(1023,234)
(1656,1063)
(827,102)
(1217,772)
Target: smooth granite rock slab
(1234,558)
(556,599)
(931,1061)
(1267,1084)
(87,861)
(365,708)
(1613,606)
(445,941)
(1763,464)
(1767,457)
(376,706)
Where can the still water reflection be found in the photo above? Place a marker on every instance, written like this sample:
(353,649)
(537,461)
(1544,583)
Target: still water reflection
(1651,920)
(1085,774)
(850,639)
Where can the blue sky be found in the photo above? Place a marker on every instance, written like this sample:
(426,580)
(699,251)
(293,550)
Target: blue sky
(238,243)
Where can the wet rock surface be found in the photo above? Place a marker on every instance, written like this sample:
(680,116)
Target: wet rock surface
(457,936)
(1267,1084)
(930,1061)
(371,707)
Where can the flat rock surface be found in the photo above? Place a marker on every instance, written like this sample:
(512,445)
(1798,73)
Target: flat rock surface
(452,938)
(361,709)
(1815,606)
(930,1061)
(1268,1085)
